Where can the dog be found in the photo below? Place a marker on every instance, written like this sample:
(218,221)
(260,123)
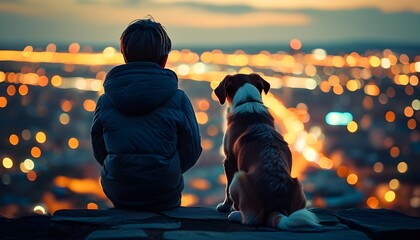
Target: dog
(258,161)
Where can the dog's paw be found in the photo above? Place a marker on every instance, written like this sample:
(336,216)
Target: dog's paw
(235,216)
(224,207)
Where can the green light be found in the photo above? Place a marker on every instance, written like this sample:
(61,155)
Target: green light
(338,118)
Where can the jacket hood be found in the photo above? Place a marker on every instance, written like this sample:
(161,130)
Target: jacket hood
(140,87)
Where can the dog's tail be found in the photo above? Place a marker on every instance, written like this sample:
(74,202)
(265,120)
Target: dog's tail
(302,218)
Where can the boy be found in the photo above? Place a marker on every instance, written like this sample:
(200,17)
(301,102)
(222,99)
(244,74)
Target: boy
(144,132)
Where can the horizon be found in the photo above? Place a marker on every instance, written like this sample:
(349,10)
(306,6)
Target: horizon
(333,47)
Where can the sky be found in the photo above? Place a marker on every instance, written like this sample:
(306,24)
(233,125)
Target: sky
(213,23)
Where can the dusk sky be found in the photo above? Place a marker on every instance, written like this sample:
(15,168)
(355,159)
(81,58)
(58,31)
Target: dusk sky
(212,22)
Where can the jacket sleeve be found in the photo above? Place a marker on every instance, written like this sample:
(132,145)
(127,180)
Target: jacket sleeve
(96,133)
(189,140)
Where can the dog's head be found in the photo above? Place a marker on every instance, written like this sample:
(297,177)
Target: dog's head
(231,83)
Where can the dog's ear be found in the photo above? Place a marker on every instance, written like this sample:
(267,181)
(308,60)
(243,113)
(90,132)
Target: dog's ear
(297,198)
(263,84)
(221,90)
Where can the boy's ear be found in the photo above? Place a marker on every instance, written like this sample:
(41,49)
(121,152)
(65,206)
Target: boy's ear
(163,60)
(125,59)
(220,91)
(122,52)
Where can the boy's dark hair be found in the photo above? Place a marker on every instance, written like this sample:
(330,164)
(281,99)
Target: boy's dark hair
(145,40)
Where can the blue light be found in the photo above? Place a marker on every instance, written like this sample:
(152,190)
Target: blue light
(338,118)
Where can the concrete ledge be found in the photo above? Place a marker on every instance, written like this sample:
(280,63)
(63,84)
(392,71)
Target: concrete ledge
(204,223)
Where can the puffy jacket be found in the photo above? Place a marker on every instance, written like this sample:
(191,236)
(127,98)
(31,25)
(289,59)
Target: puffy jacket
(145,135)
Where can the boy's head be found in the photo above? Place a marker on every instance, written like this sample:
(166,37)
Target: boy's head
(145,40)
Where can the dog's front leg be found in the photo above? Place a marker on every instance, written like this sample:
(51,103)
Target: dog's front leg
(230,169)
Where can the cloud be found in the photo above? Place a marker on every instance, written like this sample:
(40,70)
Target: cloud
(182,14)
(331,5)
(199,23)
(120,3)
(191,14)
(210,7)
(205,19)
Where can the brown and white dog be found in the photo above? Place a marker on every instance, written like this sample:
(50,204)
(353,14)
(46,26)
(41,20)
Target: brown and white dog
(258,161)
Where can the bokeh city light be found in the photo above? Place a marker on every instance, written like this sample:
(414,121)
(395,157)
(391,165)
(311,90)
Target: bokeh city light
(351,119)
